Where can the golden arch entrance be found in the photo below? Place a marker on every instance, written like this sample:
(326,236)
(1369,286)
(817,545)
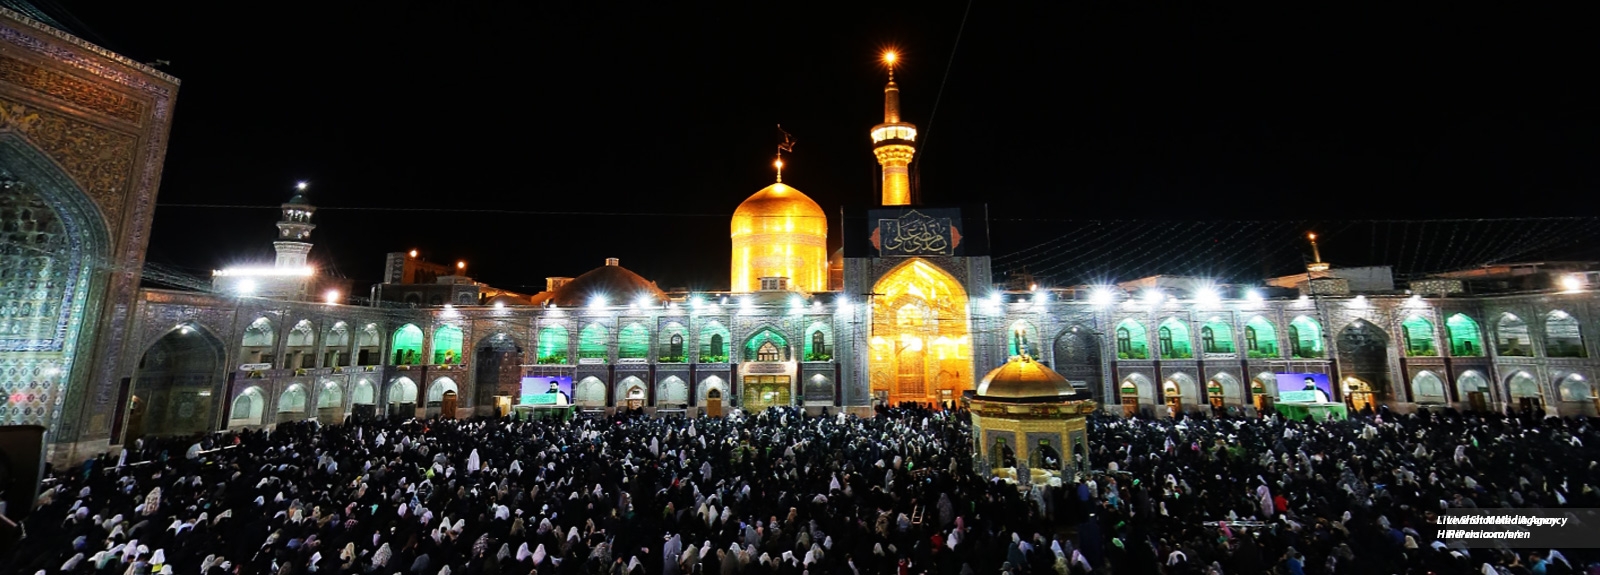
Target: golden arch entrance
(921,348)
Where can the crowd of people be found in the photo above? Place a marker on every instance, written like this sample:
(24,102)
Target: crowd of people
(783,492)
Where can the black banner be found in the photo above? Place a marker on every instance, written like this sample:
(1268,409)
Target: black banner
(916,232)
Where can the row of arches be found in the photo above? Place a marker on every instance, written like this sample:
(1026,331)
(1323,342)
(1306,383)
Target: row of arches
(328,398)
(341,345)
(1260,339)
(674,344)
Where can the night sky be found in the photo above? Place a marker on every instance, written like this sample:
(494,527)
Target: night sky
(474,131)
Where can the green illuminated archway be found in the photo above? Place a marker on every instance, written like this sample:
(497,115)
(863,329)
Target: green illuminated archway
(1026,330)
(633,342)
(553,345)
(1417,332)
(1305,338)
(1465,338)
(674,344)
(1216,336)
(766,345)
(1260,338)
(1173,337)
(1132,341)
(407,345)
(713,343)
(447,345)
(592,342)
(818,342)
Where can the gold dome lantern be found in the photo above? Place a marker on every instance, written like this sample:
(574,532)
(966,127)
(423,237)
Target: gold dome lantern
(779,232)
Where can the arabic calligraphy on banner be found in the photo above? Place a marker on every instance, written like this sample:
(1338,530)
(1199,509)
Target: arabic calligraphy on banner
(917,233)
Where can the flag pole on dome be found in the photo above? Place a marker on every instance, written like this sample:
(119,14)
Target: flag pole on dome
(786,146)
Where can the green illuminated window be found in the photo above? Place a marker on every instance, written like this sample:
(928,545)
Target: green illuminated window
(1216,336)
(817,347)
(766,345)
(1132,341)
(1305,338)
(553,345)
(713,343)
(1465,340)
(1029,335)
(1260,338)
(1174,339)
(672,349)
(592,342)
(407,345)
(1418,333)
(447,345)
(633,342)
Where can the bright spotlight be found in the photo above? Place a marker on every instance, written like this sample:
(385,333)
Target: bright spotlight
(413,253)
(499,305)
(1153,296)
(300,186)
(332,296)
(246,287)
(1101,296)
(1571,283)
(644,301)
(597,302)
(1209,296)
(889,57)
(1253,295)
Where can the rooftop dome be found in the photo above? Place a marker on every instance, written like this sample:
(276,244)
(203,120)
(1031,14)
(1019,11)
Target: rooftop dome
(779,232)
(1023,378)
(615,283)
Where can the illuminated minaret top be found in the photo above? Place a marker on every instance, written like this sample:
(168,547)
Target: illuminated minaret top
(1317,265)
(294,230)
(894,143)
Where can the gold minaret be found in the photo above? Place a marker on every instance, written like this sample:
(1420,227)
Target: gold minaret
(1317,265)
(893,142)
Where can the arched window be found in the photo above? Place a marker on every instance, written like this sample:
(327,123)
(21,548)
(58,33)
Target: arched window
(447,345)
(1575,388)
(592,342)
(407,345)
(633,342)
(553,345)
(1261,338)
(258,342)
(672,348)
(1511,336)
(1427,388)
(817,348)
(1524,385)
(1132,342)
(1174,337)
(1029,335)
(1216,336)
(1418,334)
(1305,338)
(713,343)
(247,407)
(1465,341)
(766,345)
(1563,337)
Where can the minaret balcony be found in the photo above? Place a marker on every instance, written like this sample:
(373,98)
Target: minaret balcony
(894,133)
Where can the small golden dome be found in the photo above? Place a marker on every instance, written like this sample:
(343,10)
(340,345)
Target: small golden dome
(781,201)
(1023,378)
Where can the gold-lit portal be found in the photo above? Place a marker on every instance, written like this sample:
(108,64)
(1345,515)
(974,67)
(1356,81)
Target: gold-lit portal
(894,144)
(779,232)
(921,345)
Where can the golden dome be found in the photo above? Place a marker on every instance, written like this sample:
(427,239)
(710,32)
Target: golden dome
(780,201)
(779,232)
(1023,378)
